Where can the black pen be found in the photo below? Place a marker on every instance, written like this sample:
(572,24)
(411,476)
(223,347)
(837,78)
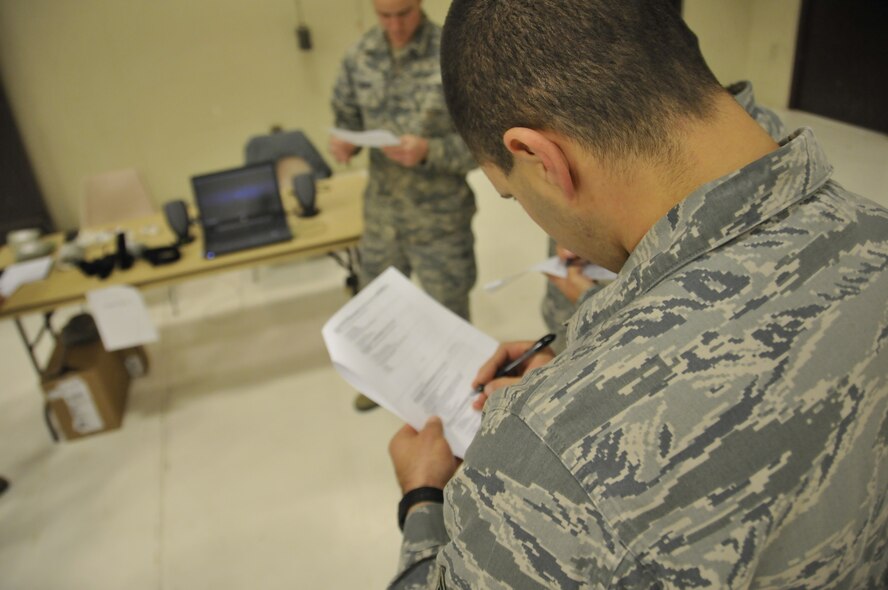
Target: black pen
(537,346)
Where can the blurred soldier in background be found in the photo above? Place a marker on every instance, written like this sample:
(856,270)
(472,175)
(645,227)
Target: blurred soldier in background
(418,207)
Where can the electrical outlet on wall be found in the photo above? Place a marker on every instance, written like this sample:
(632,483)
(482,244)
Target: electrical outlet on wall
(303,37)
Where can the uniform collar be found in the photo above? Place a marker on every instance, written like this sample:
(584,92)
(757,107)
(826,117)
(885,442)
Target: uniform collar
(712,215)
(743,94)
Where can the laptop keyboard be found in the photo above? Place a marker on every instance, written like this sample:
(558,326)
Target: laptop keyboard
(242,225)
(247,237)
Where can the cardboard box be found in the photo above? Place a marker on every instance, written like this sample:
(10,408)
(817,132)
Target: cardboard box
(135,360)
(86,389)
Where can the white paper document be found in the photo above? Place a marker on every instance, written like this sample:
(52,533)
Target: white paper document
(22,273)
(557,267)
(375,138)
(411,355)
(121,317)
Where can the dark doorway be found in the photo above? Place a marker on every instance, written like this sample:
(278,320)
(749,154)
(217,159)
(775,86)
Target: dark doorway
(21,204)
(841,62)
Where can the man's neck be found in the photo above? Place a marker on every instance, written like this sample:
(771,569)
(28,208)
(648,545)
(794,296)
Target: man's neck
(707,150)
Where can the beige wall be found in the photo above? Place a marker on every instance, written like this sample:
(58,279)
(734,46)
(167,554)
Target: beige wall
(771,51)
(176,87)
(748,39)
(172,88)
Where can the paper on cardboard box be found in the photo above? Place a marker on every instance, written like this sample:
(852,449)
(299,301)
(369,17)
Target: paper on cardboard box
(135,360)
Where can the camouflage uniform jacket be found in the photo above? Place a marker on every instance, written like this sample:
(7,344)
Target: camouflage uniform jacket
(718,420)
(403,94)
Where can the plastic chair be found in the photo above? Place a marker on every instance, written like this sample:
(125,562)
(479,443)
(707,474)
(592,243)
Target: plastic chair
(289,167)
(114,196)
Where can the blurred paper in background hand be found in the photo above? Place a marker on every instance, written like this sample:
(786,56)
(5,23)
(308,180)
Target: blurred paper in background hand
(411,355)
(372,138)
(556,267)
(598,273)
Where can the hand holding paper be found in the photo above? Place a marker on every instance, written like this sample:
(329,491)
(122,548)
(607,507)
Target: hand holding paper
(422,457)
(412,356)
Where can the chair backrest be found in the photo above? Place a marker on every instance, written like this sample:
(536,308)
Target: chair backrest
(287,169)
(114,196)
(274,146)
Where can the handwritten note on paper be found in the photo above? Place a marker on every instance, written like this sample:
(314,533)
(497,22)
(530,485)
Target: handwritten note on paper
(121,317)
(412,356)
(375,138)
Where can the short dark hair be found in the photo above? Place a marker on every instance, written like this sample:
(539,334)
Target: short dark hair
(610,74)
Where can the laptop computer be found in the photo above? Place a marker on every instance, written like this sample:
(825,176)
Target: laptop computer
(240,208)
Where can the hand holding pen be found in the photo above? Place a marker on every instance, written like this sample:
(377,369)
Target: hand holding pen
(508,364)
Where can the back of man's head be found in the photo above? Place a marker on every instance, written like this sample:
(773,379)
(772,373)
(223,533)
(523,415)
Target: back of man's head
(613,75)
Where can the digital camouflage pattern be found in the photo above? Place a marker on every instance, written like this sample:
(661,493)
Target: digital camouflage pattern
(416,219)
(718,420)
(556,309)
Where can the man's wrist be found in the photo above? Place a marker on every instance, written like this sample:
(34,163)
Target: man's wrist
(415,498)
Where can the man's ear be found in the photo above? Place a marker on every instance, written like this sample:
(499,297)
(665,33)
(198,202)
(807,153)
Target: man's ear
(533,147)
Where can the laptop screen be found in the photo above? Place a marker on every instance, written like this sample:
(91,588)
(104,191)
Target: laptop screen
(238,194)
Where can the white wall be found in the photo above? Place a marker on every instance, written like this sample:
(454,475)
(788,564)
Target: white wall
(175,88)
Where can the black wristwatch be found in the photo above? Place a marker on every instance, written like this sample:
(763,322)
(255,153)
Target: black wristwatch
(416,496)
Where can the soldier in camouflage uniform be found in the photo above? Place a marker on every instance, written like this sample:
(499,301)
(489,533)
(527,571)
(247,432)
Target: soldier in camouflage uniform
(719,418)
(418,207)
(557,308)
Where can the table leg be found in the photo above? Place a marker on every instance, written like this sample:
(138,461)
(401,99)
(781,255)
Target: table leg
(349,263)
(31,345)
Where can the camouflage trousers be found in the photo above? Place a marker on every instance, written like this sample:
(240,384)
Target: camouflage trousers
(445,265)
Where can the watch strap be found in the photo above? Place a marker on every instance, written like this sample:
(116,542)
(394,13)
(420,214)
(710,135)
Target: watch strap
(413,497)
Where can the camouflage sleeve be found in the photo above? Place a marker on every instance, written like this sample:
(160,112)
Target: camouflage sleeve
(424,535)
(519,520)
(346,110)
(449,155)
